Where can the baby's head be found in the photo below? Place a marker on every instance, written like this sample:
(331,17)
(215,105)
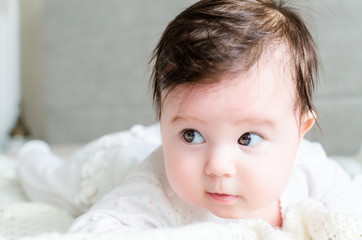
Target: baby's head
(214,38)
(232,85)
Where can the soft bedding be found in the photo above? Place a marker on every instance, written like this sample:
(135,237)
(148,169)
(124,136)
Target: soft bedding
(21,218)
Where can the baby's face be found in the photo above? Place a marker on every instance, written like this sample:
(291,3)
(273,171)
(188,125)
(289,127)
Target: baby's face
(229,147)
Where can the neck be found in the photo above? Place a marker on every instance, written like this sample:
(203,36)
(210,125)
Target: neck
(273,214)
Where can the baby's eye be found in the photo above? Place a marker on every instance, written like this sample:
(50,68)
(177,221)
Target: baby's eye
(192,136)
(249,139)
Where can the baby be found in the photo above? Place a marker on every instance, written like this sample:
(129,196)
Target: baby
(232,83)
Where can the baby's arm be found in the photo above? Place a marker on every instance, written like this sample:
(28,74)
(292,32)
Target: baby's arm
(140,203)
(76,183)
(48,178)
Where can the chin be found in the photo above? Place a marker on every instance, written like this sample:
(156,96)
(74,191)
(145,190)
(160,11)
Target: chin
(228,214)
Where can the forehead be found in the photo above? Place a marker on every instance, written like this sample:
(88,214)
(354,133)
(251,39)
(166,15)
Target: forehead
(269,83)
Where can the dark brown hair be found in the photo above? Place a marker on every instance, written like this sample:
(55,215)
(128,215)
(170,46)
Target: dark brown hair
(216,37)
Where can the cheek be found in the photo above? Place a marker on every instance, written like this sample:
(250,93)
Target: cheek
(176,169)
(268,178)
(273,180)
(181,166)
(277,164)
(183,172)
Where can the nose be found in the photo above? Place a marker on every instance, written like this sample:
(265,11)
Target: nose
(220,162)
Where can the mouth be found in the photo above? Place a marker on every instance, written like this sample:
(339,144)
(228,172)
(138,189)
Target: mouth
(223,198)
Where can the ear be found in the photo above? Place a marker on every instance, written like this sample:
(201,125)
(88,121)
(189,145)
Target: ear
(308,120)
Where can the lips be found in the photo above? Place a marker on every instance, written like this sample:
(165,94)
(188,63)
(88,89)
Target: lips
(223,198)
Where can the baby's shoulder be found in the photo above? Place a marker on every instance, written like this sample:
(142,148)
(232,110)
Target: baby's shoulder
(150,171)
(310,153)
(151,167)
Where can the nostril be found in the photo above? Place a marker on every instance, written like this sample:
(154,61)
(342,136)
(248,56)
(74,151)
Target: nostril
(227,170)
(220,161)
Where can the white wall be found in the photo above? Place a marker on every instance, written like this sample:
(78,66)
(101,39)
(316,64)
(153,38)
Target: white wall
(339,93)
(91,77)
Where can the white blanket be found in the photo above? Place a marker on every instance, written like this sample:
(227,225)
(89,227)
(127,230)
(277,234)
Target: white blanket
(307,220)
(39,221)
(18,216)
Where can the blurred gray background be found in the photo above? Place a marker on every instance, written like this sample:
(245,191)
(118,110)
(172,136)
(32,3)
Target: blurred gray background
(85,72)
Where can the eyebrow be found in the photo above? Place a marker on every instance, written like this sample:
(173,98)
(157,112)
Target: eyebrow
(179,118)
(264,122)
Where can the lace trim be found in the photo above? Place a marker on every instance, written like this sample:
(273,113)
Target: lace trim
(95,181)
(311,220)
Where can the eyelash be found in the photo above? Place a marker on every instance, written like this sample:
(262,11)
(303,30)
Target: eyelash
(194,132)
(250,140)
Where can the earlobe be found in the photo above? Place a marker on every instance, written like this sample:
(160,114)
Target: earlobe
(307,123)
